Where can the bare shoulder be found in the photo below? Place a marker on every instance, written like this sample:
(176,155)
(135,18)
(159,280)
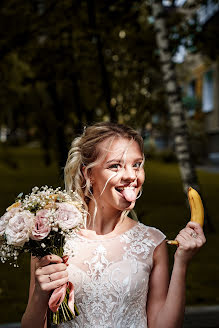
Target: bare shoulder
(129,223)
(160,253)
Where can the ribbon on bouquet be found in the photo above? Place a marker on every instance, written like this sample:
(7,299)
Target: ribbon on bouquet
(58,295)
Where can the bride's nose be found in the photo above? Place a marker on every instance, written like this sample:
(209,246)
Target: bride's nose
(129,174)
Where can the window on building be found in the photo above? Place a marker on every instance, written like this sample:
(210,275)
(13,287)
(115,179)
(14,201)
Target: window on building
(190,98)
(208,92)
(191,89)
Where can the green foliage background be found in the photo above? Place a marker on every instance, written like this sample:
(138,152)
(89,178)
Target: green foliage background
(66,64)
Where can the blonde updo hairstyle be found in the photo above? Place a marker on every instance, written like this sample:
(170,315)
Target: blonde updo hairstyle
(84,152)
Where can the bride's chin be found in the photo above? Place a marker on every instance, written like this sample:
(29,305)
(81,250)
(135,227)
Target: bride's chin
(129,206)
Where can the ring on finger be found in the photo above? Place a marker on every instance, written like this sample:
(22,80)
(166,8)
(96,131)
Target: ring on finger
(194,235)
(50,279)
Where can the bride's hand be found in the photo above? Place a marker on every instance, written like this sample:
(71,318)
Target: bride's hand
(50,273)
(190,239)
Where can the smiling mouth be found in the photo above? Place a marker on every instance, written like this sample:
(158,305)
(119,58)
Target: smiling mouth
(121,189)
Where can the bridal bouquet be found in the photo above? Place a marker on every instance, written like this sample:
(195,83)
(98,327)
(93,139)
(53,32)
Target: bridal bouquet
(38,223)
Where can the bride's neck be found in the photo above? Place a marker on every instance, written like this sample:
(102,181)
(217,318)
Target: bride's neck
(103,221)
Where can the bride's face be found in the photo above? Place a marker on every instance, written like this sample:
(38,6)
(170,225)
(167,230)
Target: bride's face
(119,171)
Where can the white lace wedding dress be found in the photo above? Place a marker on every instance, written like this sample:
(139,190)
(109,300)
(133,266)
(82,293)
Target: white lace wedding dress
(110,277)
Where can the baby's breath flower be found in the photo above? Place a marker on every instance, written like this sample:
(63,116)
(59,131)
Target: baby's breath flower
(44,201)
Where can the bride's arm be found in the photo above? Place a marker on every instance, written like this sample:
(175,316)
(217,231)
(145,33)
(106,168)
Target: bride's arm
(166,300)
(35,315)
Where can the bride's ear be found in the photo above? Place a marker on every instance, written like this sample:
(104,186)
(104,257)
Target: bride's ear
(87,174)
(84,172)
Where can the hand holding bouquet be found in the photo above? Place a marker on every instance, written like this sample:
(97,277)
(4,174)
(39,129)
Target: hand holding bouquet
(39,223)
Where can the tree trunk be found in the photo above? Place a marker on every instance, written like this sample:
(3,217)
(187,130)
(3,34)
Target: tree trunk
(60,138)
(79,107)
(176,110)
(104,74)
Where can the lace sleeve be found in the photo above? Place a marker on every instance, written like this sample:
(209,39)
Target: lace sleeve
(157,237)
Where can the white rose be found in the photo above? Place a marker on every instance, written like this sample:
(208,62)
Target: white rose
(5,219)
(68,216)
(19,228)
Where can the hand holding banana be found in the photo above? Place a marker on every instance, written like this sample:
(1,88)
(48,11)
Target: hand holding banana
(196,208)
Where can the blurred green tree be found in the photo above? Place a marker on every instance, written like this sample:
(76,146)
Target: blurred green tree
(85,64)
(85,61)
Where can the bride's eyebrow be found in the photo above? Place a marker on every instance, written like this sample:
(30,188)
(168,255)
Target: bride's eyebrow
(139,159)
(114,160)
(120,161)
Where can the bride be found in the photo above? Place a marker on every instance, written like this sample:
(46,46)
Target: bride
(120,267)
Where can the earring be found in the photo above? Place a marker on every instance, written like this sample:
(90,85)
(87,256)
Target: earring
(139,195)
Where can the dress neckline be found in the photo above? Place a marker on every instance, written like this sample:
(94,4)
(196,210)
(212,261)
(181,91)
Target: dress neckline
(108,236)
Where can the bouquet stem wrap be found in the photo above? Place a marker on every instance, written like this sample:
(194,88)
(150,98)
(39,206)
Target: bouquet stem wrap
(58,295)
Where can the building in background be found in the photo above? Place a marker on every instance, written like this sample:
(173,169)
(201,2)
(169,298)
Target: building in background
(199,77)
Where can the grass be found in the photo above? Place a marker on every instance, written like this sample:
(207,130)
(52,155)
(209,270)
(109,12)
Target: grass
(162,205)
(31,171)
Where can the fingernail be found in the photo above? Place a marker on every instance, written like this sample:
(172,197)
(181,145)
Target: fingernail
(65,258)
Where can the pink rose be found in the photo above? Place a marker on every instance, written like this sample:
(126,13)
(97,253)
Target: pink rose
(19,228)
(5,219)
(41,227)
(68,216)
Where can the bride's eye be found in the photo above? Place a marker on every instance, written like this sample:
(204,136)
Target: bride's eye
(115,166)
(138,165)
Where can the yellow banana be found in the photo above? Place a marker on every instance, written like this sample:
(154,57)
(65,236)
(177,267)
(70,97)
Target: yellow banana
(196,208)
